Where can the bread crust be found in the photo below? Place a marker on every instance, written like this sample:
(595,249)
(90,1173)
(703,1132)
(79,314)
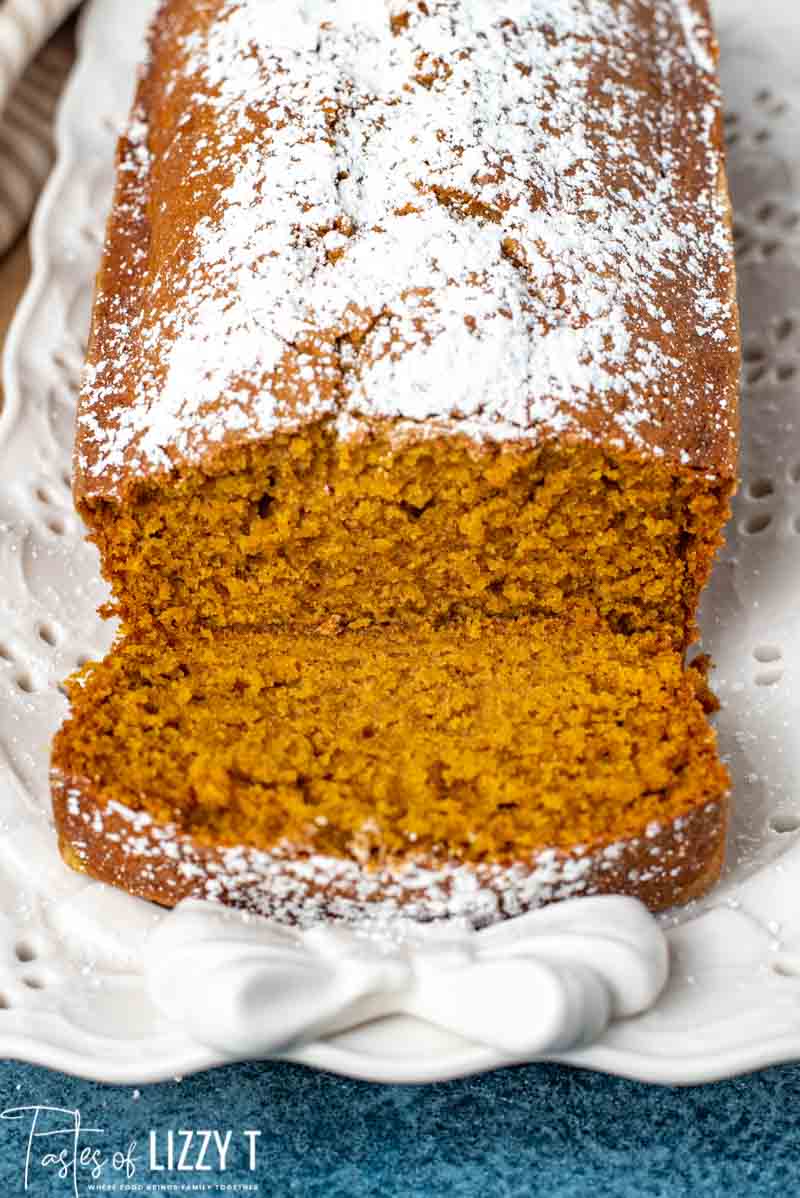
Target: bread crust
(664,866)
(662,378)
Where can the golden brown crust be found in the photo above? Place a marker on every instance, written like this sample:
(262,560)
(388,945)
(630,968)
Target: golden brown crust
(649,205)
(663,866)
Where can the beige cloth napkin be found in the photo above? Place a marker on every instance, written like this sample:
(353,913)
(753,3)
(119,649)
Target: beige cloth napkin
(32,74)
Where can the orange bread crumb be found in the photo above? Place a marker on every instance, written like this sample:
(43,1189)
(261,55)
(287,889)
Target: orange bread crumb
(480,741)
(308,531)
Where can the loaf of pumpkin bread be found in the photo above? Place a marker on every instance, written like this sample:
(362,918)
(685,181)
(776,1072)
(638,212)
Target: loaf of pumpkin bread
(413,318)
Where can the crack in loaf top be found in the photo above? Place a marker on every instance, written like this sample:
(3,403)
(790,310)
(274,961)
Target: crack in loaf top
(503,218)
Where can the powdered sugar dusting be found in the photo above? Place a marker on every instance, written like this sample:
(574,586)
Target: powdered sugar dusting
(301,888)
(502,219)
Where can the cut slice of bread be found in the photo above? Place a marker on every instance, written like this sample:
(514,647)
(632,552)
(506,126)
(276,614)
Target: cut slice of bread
(483,767)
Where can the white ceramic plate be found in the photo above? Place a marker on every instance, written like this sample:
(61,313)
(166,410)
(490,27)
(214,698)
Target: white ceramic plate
(72,993)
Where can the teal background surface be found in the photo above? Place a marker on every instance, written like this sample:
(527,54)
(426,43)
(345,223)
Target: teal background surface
(537,1130)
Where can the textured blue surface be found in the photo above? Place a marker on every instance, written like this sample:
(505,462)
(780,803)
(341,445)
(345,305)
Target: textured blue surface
(536,1130)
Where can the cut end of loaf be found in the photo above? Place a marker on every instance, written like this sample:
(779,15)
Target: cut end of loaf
(309,531)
